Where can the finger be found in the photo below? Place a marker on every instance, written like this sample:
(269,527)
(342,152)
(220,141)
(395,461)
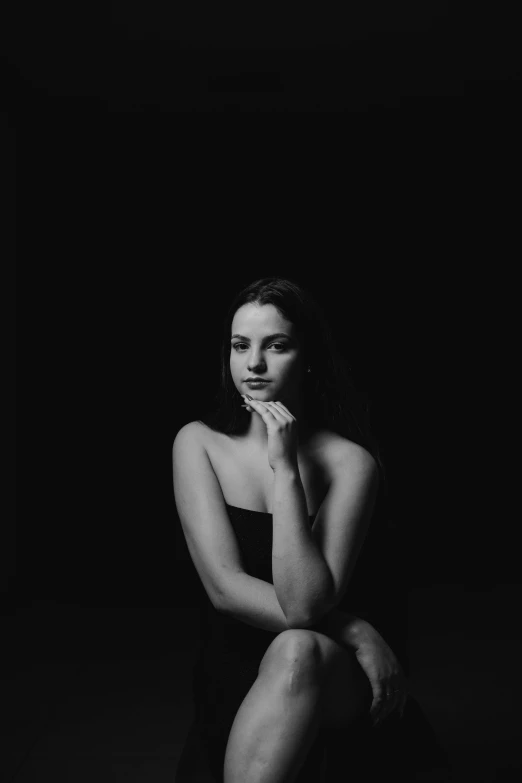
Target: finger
(277,412)
(284,409)
(386,708)
(377,697)
(259,407)
(390,698)
(381,715)
(376,708)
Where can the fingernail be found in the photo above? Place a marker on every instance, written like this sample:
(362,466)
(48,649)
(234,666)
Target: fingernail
(249,397)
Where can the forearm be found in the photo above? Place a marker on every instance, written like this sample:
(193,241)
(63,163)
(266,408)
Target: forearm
(302,579)
(253,601)
(345,628)
(341,626)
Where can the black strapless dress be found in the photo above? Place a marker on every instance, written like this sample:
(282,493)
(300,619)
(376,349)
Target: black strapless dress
(231,651)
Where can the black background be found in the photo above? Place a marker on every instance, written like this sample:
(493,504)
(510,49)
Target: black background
(161,57)
(126,269)
(135,227)
(134,221)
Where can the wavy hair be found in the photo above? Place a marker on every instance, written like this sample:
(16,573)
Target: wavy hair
(331,399)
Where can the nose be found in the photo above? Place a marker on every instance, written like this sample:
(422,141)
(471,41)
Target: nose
(256,363)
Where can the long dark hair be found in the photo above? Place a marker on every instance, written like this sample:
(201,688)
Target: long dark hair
(330,396)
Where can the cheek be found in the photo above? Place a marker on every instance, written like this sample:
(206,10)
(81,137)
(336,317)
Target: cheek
(290,370)
(234,367)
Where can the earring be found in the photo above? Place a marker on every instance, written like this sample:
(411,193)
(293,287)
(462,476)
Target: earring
(309,370)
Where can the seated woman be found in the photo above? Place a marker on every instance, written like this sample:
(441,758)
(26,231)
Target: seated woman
(275,494)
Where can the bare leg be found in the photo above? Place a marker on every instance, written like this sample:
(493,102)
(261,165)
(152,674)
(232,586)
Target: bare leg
(275,726)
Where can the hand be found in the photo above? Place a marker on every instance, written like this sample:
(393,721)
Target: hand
(389,684)
(375,657)
(282,432)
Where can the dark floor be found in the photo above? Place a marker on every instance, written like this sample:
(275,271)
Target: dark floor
(104,694)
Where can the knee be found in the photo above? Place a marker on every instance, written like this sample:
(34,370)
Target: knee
(295,656)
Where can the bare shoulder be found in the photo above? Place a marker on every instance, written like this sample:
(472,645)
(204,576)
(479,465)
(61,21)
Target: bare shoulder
(338,453)
(194,431)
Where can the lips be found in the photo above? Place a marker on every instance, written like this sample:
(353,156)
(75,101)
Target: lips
(256,380)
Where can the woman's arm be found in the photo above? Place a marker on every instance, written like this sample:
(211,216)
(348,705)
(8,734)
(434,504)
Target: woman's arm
(211,540)
(311,567)
(346,629)
(302,579)
(252,601)
(376,658)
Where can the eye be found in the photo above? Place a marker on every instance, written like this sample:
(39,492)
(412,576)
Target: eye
(281,346)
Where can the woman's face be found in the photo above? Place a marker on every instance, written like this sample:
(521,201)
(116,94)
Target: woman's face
(265,345)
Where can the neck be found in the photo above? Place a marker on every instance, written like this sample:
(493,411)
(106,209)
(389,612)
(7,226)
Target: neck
(257,432)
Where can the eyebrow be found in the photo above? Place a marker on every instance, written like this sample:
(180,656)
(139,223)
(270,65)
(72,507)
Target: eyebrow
(269,337)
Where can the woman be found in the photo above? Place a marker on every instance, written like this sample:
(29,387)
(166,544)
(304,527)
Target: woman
(275,493)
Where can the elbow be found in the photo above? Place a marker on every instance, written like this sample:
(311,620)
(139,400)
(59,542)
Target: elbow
(298,622)
(312,618)
(304,622)
(219,601)
(222,604)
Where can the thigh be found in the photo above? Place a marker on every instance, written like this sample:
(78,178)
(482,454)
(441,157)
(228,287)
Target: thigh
(347,695)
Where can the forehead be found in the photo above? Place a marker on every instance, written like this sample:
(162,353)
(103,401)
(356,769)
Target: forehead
(258,319)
